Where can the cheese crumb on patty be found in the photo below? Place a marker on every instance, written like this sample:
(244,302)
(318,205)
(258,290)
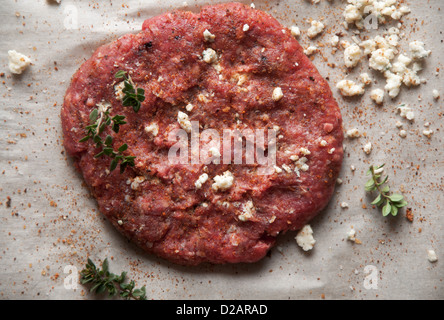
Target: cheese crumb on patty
(223,182)
(184,121)
(277,94)
(209,56)
(201,180)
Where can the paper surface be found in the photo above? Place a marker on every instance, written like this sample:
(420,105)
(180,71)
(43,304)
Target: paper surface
(50,225)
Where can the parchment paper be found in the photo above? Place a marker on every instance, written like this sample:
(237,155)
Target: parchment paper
(50,225)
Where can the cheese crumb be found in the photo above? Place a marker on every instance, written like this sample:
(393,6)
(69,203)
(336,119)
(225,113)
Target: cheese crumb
(245,28)
(277,94)
(352,55)
(431,254)
(377,95)
(208,36)
(18,62)
(310,50)
(295,32)
(418,51)
(152,128)
(305,239)
(367,148)
(316,28)
(428,133)
(247,212)
(403,133)
(201,180)
(223,182)
(184,121)
(353,133)
(436,94)
(350,88)
(209,56)
(351,235)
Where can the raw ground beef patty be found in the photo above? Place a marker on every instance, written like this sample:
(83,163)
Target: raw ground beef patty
(158,204)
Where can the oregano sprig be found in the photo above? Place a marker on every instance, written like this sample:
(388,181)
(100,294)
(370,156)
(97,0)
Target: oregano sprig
(391,203)
(132,96)
(102,280)
(99,119)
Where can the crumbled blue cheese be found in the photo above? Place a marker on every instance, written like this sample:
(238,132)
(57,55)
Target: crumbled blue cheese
(189,107)
(402,133)
(152,128)
(418,51)
(377,95)
(245,28)
(431,255)
(350,88)
(184,121)
(18,62)
(352,55)
(295,32)
(223,182)
(406,112)
(135,184)
(304,238)
(277,94)
(209,56)
(310,50)
(353,133)
(428,133)
(436,94)
(277,169)
(305,151)
(365,79)
(201,180)
(367,148)
(208,36)
(393,84)
(351,235)
(357,11)
(316,28)
(334,40)
(247,212)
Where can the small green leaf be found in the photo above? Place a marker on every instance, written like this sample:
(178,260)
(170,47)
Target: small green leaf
(113,164)
(386,209)
(120,74)
(394,211)
(396,197)
(123,148)
(400,204)
(93,116)
(377,200)
(84,139)
(370,185)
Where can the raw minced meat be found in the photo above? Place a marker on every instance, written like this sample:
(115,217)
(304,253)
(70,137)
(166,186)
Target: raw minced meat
(216,212)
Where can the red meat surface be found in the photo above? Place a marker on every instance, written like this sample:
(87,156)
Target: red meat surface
(164,213)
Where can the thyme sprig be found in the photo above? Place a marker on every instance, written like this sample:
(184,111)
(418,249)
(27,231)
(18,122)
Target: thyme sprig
(102,280)
(132,96)
(391,203)
(99,119)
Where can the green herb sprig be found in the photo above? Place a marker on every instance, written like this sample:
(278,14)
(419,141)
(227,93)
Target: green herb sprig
(391,203)
(102,280)
(132,96)
(99,119)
